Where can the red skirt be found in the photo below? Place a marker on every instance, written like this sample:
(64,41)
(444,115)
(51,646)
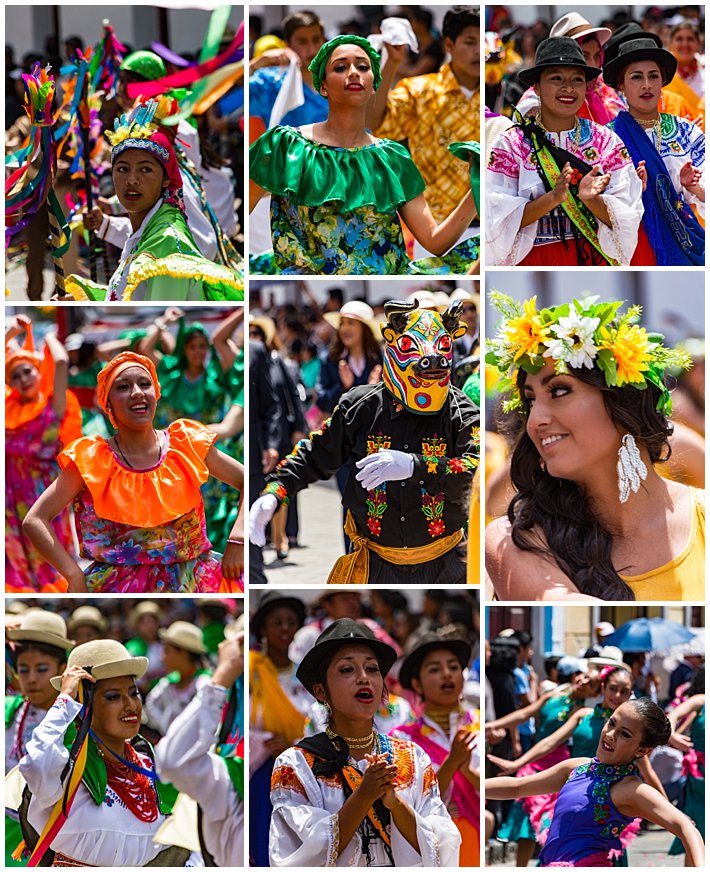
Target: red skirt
(644,255)
(559,254)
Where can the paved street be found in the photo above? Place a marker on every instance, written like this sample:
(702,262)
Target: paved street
(16,283)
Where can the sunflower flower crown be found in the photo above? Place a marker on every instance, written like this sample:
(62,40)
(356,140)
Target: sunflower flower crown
(142,121)
(581,334)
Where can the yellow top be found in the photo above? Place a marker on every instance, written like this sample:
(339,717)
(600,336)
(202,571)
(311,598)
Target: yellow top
(683,578)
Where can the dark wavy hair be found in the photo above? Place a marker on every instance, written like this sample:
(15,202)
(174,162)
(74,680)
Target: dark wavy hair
(550,515)
(656,726)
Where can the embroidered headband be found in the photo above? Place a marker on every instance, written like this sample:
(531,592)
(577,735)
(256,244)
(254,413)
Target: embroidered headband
(581,334)
(317,65)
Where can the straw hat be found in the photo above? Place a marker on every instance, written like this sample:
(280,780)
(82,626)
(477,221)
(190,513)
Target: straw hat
(357,311)
(423,299)
(37,625)
(231,631)
(87,616)
(576,27)
(16,607)
(145,607)
(466,297)
(186,636)
(266,325)
(106,658)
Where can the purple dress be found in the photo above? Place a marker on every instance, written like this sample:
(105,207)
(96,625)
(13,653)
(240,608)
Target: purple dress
(586,824)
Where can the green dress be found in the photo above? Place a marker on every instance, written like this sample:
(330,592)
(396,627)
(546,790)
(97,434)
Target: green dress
(163,265)
(693,803)
(334,210)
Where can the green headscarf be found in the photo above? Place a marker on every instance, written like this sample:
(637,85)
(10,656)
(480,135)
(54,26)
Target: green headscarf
(317,65)
(146,63)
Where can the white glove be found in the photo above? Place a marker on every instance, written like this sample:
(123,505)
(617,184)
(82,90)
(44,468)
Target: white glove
(261,512)
(384,466)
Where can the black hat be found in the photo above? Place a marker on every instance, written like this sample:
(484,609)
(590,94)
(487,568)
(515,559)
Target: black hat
(630,30)
(459,647)
(640,49)
(557,51)
(272,599)
(337,635)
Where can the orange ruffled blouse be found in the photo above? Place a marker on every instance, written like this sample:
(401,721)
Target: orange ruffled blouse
(150,497)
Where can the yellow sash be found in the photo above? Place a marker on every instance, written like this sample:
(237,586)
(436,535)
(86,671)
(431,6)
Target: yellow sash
(354,568)
(278,713)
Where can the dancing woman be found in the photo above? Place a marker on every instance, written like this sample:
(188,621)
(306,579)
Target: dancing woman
(591,519)
(692,712)
(600,796)
(669,153)
(338,193)
(561,190)
(136,496)
(351,796)
(160,260)
(109,808)
(41,418)
(446,731)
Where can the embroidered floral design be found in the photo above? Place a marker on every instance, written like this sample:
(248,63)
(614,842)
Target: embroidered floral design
(429,780)
(403,758)
(433,509)
(457,465)
(377,497)
(285,778)
(278,490)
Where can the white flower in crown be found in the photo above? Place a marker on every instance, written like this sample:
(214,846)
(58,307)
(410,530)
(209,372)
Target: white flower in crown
(574,344)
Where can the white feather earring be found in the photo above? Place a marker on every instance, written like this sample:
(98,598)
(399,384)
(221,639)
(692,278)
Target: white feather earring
(630,469)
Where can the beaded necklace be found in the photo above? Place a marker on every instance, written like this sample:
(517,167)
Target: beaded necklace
(133,788)
(575,133)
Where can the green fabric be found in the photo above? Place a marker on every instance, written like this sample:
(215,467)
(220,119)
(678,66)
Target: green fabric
(12,704)
(382,175)
(215,32)
(168,260)
(133,337)
(554,713)
(145,63)
(174,677)
(212,636)
(13,837)
(137,647)
(464,151)
(235,767)
(472,388)
(317,65)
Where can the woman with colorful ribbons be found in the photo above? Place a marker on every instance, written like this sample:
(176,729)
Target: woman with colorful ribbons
(599,797)
(41,418)
(136,496)
(37,646)
(338,193)
(350,796)
(447,732)
(591,518)
(668,152)
(561,190)
(160,260)
(95,797)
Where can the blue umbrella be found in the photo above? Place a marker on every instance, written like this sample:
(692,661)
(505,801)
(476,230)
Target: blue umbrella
(649,634)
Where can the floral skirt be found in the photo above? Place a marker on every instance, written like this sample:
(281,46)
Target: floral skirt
(201,575)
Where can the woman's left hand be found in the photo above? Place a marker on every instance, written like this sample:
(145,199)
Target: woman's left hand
(233,561)
(689,175)
(593,184)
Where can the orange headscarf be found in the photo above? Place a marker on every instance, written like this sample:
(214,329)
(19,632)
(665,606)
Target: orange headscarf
(26,354)
(114,368)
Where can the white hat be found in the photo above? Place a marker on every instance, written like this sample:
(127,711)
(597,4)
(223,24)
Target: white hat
(574,26)
(604,628)
(87,616)
(357,311)
(425,299)
(107,659)
(182,635)
(37,625)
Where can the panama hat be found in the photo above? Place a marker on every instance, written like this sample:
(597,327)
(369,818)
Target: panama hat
(182,635)
(36,625)
(145,607)
(358,311)
(640,49)
(574,26)
(87,616)
(231,631)
(106,658)
(273,599)
(459,647)
(557,51)
(266,325)
(338,635)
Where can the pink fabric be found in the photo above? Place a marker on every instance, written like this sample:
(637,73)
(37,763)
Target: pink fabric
(694,763)
(539,808)
(463,792)
(601,858)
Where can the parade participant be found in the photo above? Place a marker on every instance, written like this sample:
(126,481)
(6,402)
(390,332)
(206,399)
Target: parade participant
(337,192)
(40,649)
(551,709)
(433,111)
(279,705)
(160,260)
(185,664)
(212,773)
(561,190)
(446,731)
(598,797)
(137,503)
(669,154)
(350,796)
(591,517)
(110,807)
(684,43)
(693,801)
(87,624)
(41,417)
(601,102)
(406,511)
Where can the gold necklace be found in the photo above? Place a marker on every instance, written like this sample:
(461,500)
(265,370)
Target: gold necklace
(654,125)
(576,134)
(357,743)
